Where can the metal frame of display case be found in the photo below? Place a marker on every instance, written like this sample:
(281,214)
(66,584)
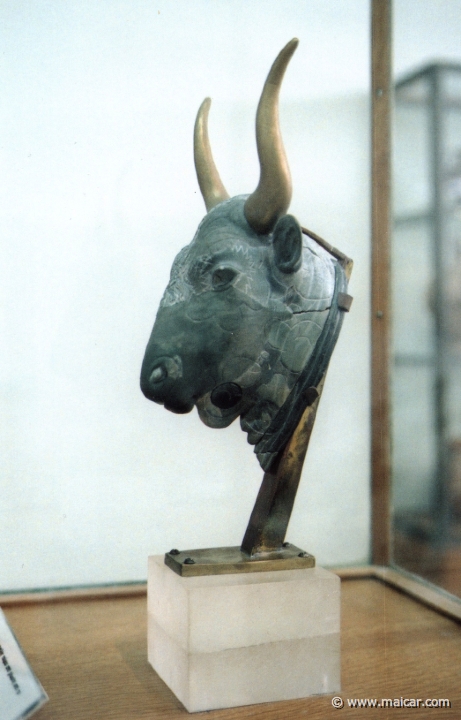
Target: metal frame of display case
(381,316)
(381,106)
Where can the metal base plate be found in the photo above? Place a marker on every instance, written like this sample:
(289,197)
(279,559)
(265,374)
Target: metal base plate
(229,560)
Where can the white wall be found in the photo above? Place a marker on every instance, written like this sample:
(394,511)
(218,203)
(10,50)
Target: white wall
(425,32)
(98,195)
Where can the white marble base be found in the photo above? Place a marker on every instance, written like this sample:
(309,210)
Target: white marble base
(221,641)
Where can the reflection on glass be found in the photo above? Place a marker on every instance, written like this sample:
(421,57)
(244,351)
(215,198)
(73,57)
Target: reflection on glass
(426,349)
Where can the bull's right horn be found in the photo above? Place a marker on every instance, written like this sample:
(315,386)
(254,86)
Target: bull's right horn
(211,187)
(271,198)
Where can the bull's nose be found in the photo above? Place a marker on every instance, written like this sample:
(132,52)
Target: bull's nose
(153,381)
(157,377)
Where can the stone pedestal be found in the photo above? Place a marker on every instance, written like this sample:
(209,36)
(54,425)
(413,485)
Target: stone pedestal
(226,640)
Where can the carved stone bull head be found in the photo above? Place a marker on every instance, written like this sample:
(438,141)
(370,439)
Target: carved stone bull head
(250,316)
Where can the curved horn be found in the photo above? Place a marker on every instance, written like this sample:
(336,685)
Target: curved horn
(211,187)
(272,197)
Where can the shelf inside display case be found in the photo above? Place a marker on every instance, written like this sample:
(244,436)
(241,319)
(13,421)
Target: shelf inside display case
(90,655)
(426,308)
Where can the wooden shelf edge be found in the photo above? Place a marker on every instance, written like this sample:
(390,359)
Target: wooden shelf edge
(70,594)
(420,590)
(126,590)
(426,593)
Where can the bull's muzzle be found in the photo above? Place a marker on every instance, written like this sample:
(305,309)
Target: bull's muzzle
(161,382)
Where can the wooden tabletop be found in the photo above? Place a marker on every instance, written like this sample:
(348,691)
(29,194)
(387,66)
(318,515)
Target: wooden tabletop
(90,656)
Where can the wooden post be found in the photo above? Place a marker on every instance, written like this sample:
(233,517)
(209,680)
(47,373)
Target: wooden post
(380,305)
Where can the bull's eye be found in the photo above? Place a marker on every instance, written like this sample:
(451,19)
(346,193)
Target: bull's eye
(222,277)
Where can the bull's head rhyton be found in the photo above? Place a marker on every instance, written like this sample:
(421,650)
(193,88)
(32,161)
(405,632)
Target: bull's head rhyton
(249,319)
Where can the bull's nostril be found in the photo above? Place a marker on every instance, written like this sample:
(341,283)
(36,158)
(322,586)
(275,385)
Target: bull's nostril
(160,378)
(158,374)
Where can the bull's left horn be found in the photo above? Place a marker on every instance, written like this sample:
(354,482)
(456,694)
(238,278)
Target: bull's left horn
(271,198)
(211,187)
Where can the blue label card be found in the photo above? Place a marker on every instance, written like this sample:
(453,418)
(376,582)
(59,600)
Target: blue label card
(20,692)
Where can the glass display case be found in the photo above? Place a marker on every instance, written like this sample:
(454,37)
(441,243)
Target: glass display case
(426,335)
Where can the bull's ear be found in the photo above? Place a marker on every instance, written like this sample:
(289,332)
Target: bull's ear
(287,242)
